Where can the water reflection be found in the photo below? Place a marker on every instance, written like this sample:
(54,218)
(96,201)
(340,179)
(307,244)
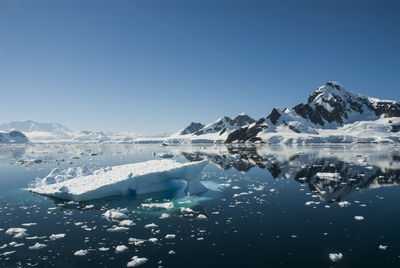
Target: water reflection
(330,172)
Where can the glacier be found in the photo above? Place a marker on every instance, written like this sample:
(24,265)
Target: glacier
(138,178)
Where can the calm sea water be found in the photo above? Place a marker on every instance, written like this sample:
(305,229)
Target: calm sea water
(267,206)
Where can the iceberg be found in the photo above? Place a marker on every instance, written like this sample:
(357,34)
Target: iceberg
(138,178)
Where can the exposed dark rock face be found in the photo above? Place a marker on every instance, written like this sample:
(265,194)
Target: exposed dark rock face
(342,104)
(395,128)
(247,133)
(13,137)
(387,109)
(329,106)
(274,116)
(192,128)
(242,120)
(294,129)
(15,134)
(226,123)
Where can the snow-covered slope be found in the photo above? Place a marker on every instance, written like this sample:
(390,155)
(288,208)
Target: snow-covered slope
(332,114)
(32,126)
(217,131)
(57,133)
(13,137)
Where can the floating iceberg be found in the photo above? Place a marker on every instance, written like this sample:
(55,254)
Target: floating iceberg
(139,178)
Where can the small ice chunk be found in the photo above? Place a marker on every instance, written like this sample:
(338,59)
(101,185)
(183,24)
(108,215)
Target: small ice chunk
(29,224)
(37,246)
(104,249)
(171,252)
(136,241)
(359,218)
(121,248)
(56,236)
(164,216)
(116,228)
(151,225)
(170,236)
(202,217)
(8,253)
(126,223)
(186,210)
(17,232)
(136,261)
(382,247)
(153,240)
(115,214)
(81,252)
(344,204)
(15,244)
(167,205)
(335,257)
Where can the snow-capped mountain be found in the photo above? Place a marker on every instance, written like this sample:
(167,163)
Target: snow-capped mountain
(192,128)
(55,132)
(13,137)
(217,131)
(332,114)
(32,126)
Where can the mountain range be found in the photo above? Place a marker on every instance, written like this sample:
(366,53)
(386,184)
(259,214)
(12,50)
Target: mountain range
(55,132)
(332,114)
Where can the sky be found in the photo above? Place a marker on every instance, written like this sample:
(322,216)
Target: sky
(154,66)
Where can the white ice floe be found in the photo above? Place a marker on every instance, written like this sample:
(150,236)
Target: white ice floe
(8,253)
(171,252)
(186,210)
(136,241)
(359,218)
(382,247)
(139,178)
(151,225)
(29,224)
(121,248)
(311,203)
(56,236)
(104,249)
(201,217)
(136,261)
(153,240)
(116,228)
(15,244)
(126,223)
(17,232)
(37,246)
(170,236)
(81,252)
(344,204)
(335,257)
(115,214)
(167,205)
(164,216)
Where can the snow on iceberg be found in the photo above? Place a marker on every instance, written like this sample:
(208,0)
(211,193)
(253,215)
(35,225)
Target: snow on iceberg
(139,178)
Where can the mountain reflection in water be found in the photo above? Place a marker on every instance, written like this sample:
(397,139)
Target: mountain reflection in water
(330,172)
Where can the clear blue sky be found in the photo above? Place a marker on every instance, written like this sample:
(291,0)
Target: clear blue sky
(155,66)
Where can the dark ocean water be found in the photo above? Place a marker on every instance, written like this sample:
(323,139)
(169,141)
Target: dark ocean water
(267,206)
